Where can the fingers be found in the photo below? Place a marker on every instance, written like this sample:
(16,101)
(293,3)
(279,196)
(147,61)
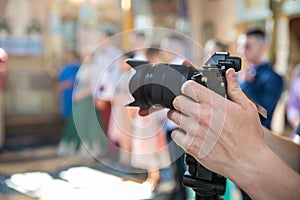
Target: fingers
(144,111)
(185,141)
(196,91)
(202,94)
(234,91)
(147,111)
(189,107)
(189,124)
(184,105)
(179,138)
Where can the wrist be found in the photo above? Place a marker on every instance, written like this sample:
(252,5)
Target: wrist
(266,176)
(248,172)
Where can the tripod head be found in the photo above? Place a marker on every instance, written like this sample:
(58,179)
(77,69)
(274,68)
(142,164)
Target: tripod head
(206,184)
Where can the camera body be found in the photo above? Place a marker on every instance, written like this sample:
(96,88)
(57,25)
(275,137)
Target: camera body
(159,84)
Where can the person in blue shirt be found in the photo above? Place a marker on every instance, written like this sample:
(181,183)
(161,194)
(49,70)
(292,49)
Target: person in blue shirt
(258,80)
(66,79)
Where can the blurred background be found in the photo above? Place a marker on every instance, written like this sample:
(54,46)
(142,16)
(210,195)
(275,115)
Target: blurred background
(35,34)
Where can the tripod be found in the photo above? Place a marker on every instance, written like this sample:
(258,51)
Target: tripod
(206,184)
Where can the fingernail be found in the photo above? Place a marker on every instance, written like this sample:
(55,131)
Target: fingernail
(231,73)
(175,103)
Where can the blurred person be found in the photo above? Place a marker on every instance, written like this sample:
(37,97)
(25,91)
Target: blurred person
(173,49)
(66,79)
(258,79)
(153,54)
(3,71)
(82,134)
(121,125)
(293,105)
(172,52)
(149,145)
(105,75)
(139,44)
(212,46)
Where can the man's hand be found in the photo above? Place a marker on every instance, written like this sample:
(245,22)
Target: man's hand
(213,129)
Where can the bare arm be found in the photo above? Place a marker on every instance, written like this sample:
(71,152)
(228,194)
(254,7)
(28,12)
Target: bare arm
(226,136)
(64,85)
(268,177)
(288,151)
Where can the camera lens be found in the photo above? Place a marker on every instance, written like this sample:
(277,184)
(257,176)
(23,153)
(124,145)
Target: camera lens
(157,84)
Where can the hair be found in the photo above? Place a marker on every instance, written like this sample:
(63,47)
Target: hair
(174,42)
(129,54)
(108,32)
(256,32)
(176,38)
(74,54)
(220,45)
(152,50)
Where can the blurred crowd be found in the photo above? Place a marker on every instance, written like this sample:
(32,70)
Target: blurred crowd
(94,91)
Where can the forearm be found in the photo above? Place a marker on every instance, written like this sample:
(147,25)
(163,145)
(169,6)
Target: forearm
(64,85)
(288,151)
(266,176)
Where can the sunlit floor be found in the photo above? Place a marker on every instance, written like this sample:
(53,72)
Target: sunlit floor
(40,174)
(30,169)
(78,183)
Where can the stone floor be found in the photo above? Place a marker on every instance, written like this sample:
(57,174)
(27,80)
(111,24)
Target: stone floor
(32,148)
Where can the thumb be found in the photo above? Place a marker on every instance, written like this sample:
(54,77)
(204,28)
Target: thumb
(234,91)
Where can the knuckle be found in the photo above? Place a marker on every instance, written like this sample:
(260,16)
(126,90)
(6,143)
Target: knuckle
(251,106)
(186,146)
(192,149)
(204,119)
(196,112)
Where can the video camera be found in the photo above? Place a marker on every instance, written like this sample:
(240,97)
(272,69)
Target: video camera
(159,84)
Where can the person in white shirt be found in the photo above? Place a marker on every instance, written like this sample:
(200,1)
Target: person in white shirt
(105,76)
(139,44)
